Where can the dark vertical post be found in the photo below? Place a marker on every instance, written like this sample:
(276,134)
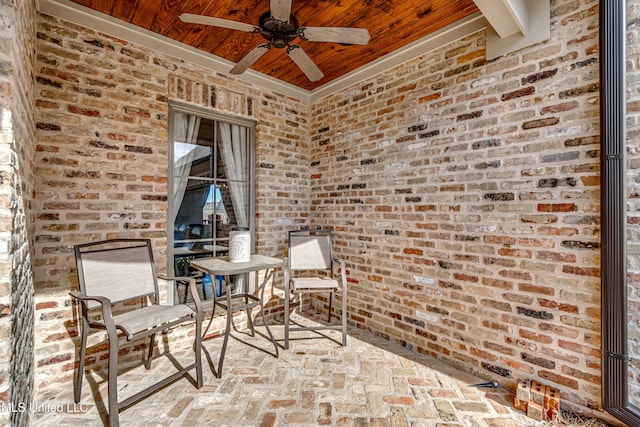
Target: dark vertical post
(613,208)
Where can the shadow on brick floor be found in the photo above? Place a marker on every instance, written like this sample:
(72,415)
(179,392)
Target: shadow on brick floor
(370,382)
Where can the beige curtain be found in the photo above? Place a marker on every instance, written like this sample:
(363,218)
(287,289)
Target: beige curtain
(185,138)
(234,151)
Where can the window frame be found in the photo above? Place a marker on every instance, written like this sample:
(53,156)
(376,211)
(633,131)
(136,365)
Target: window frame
(215,116)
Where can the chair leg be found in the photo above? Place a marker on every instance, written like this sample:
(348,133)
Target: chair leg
(83,354)
(150,353)
(112,390)
(287,301)
(250,318)
(198,350)
(344,318)
(266,326)
(186,294)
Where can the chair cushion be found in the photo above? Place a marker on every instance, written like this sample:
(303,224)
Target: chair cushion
(315,283)
(145,318)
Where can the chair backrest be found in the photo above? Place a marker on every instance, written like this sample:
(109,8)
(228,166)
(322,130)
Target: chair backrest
(310,250)
(119,269)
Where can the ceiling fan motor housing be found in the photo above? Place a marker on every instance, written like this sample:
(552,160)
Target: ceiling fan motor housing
(278,33)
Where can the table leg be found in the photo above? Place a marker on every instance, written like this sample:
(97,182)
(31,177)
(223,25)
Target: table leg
(267,275)
(213,313)
(228,327)
(249,317)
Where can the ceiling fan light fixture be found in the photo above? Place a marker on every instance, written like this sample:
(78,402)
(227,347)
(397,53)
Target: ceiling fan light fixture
(279,43)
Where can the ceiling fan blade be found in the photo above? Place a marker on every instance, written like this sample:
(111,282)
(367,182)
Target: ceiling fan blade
(334,34)
(280,9)
(250,58)
(302,60)
(218,22)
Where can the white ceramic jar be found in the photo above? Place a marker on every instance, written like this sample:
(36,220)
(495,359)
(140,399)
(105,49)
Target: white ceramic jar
(239,245)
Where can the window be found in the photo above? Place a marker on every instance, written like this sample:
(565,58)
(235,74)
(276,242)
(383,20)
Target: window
(211,188)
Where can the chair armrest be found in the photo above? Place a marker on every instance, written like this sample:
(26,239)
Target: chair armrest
(107,315)
(192,289)
(82,297)
(340,262)
(343,273)
(174,278)
(286,273)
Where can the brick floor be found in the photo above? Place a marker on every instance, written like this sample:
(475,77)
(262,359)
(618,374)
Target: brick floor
(370,382)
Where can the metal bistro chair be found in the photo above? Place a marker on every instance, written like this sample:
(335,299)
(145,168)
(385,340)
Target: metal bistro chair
(310,251)
(119,271)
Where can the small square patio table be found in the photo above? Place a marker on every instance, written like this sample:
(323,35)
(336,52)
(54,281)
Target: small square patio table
(244,300)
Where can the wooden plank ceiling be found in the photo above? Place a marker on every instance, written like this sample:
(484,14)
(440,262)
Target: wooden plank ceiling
(392,24)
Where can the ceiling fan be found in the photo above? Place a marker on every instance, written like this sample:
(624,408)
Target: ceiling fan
(280,28)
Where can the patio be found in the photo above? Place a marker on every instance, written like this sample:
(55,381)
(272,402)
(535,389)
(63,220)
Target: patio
(370,382)
(465,193)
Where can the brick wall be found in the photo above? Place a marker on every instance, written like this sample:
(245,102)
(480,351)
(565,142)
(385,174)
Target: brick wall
(464,196)
(633,192)
(102,165)
(17,136)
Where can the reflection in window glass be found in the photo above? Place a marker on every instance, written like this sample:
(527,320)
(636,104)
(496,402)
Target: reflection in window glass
(212,183)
